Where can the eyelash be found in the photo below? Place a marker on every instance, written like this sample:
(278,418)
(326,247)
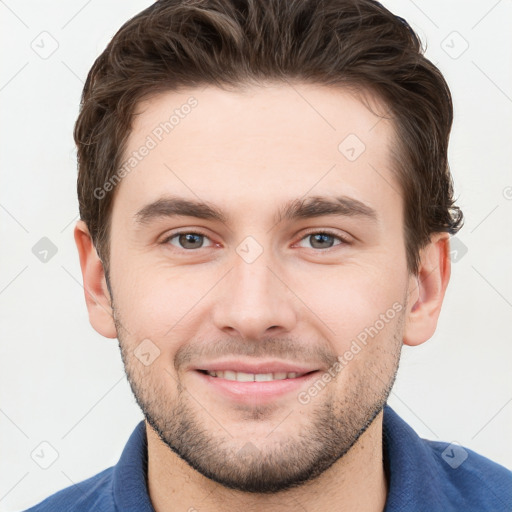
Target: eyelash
(343,240)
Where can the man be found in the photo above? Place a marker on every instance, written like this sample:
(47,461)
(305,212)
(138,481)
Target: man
(265,208)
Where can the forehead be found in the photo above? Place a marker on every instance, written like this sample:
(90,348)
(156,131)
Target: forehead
(256,147)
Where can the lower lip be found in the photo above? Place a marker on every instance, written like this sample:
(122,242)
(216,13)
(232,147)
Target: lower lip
(260,391)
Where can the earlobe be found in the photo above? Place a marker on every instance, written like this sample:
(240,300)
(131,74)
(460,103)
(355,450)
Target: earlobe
(97,296)
(427,289)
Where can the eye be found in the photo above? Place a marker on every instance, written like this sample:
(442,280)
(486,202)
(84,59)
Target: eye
(187,240)
(324,239)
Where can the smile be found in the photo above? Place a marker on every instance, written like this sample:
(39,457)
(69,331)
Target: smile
(253,377)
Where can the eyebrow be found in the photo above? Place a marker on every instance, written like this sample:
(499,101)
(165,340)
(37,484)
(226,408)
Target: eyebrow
(309,207)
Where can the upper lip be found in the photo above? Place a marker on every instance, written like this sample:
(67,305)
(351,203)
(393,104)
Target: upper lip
(259,367)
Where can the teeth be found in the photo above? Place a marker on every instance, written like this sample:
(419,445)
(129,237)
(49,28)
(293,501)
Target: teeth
(243,377)
(229,375)
(263,377)
(250,377)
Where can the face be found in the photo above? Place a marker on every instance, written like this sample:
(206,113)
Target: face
(293,266)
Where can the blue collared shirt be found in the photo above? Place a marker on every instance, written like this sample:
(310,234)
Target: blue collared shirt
(423,476)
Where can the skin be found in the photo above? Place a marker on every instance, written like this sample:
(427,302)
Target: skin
(302,300)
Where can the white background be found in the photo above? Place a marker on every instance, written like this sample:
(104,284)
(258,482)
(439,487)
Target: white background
(64,384)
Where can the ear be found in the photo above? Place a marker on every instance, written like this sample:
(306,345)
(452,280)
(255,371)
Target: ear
(427,289)
(97,296)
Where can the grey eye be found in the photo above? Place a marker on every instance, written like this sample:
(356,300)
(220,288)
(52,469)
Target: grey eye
(321,240)
(188,240)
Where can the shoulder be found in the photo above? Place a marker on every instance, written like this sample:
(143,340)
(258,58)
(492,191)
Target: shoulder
(471,478)
(94,493)
(434,476)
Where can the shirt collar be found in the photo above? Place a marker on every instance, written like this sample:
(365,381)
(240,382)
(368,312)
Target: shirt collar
(414,480)
(130,487)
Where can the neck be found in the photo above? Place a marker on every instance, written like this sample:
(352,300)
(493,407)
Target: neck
(355,483)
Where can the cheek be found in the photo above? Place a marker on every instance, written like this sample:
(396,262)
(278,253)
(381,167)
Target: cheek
(158,303)
(350,303)
(161,302)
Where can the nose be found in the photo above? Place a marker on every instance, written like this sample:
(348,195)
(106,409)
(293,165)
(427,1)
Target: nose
(255,300)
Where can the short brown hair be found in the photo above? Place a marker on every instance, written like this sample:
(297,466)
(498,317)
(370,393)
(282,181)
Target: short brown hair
(348,43)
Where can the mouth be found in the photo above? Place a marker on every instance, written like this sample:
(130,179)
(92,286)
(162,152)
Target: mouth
(254,388)
(253,377)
